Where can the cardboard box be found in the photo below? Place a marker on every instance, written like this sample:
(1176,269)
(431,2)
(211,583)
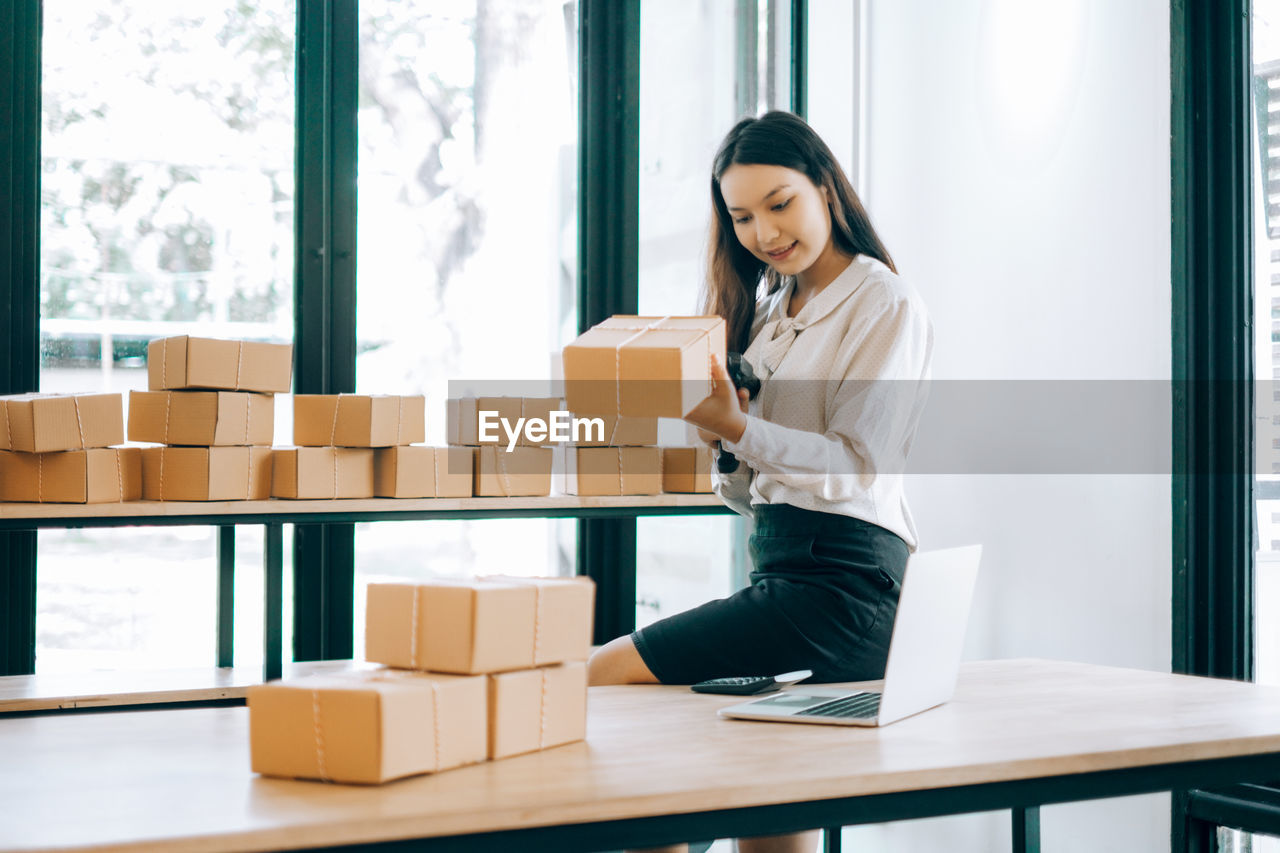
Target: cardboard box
(455,472)
(206,473)
(535,709)
(565,609)
(404,472)
(367,727)
(643,366)
(462,419)
(322,472)
(97,475)
(457,626)
(422,472)
(4,425)
(187,362)
(686,469)
(619,432)
(479,625)
(612,471)
(358,420)
(524,471)
(202,418)
(42,423)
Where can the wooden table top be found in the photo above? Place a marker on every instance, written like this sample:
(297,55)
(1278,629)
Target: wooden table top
(66,691)
(179,779)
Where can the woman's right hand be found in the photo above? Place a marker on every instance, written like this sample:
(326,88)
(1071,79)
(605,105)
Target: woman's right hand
(710,438)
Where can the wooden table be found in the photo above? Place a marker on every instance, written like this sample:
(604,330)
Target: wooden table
(658,766)
(273,514)
(80,691)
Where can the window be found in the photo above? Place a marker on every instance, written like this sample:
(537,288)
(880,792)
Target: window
(169,204)
(167,183)
(467,237)
(1266,192)
(723,62)
(1224,420)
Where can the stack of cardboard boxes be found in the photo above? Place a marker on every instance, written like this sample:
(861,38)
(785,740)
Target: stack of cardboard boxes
(336,436)
(525,469)
(210,407)
(625,461)
(476,669)
(211,404)
(58,449)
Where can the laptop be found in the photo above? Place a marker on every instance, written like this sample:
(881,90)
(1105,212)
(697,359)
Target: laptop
(924,653)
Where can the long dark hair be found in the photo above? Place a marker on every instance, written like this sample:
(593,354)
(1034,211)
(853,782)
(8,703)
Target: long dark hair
(733,273)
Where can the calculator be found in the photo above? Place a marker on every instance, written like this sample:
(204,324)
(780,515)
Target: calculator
(748,685)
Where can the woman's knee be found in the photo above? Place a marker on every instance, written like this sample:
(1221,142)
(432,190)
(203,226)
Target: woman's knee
(618,662)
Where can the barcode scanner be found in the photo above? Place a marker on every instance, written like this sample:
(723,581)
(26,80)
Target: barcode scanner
(743,376)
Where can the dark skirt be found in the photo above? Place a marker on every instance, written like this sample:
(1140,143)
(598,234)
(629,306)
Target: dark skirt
(822,597)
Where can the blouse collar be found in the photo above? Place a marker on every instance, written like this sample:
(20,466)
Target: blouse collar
(827,300)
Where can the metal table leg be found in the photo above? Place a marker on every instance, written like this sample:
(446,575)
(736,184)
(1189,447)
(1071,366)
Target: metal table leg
(831,839)
(18,602)
(226,595)
(1026,830)
(273,601)
(607,553)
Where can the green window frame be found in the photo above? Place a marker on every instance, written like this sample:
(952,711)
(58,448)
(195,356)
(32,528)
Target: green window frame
(325,264)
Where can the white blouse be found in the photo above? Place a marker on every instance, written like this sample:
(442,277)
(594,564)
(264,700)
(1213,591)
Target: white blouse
(844,383)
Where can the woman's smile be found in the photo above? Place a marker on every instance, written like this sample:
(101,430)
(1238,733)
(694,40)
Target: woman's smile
(783,253)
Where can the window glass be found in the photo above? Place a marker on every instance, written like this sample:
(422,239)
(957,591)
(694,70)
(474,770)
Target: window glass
(1235,841)
(724,61)
(1266,192)
(167,186)
(467,256)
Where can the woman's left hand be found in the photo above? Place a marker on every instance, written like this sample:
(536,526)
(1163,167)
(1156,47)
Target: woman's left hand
(723,414)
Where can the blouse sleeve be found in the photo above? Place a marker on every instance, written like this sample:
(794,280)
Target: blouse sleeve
(734,489)
(873,403)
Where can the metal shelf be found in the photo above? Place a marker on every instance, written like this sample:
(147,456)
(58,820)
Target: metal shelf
(273,514)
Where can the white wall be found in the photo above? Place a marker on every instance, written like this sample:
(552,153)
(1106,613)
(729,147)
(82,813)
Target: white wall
(832,92)
(1017,166)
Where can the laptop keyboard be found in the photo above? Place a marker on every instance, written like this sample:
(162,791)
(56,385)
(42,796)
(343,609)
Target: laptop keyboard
(864,706)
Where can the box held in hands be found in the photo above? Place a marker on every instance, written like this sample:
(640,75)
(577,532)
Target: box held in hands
(617,431)
(643,366)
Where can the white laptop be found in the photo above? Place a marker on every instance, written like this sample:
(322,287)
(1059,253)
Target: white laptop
(924,653)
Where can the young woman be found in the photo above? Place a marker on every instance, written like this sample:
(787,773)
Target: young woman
(843,347)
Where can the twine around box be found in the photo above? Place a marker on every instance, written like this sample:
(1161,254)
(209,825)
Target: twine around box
(322,770)
(164,362)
